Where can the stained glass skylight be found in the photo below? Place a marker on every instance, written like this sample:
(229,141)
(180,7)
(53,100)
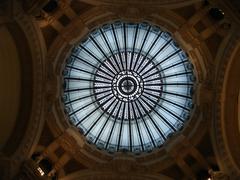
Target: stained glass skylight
(128,87)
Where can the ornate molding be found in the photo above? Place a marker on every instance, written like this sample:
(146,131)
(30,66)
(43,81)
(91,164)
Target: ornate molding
(56,57)
(37,49)
(220,144)
(33,7)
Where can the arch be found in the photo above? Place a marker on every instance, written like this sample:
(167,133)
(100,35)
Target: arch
(226,135)
(27,53)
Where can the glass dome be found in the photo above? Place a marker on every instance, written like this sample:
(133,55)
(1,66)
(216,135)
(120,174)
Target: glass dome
(128,87)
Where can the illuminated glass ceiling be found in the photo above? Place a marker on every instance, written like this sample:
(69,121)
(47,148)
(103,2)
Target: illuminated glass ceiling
(128,87)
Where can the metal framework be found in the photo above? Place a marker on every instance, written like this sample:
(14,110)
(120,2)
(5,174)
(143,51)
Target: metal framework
(128,86)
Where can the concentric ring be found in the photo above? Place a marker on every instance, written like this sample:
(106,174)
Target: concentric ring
(127,86)
(127,83)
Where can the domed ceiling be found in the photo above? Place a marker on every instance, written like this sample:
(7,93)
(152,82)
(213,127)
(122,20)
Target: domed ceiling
(128,86)
(130,89)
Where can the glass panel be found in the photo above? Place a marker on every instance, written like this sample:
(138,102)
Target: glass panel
(112,86)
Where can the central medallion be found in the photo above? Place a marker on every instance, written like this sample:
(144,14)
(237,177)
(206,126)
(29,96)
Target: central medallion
(126,82)
(127,86)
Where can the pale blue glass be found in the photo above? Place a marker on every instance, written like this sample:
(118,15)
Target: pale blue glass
(127,86)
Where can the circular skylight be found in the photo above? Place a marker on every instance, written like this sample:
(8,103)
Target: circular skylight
(128,87)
